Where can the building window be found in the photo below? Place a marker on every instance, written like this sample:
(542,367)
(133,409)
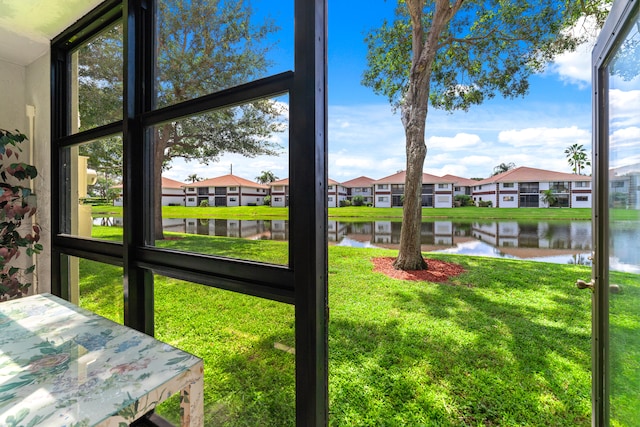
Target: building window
(330,198)
(443,199)
(443,186)
(582,199)
(617,184)
(383,199)
(191,199)
(277,199)
(507,185)
(232,199)
(383,186)
(233,188)
(508,198)
(191,189)
(582,184)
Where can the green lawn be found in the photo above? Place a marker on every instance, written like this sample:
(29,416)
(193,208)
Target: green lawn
(506,343)
(367,213)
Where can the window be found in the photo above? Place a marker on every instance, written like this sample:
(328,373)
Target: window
(507,185)
(232,199)
(383,186)
(445,186)
(383,199)
(508,198)
(331,198)
(277,199)
(443,199)
(582,184)
(529,187)
(141,108)
(330,188)
(233,189)
(582,198)
(617,184)
(191,199)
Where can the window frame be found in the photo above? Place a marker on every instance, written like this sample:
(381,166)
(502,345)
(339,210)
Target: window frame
(303,282)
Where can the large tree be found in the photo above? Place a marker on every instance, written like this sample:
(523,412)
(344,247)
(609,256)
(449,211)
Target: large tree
(453,54)
(203,47)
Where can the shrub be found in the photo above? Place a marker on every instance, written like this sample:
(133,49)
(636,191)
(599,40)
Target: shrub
(345,203)
(485,203)
(204,204)
(357,200)
(464,200)
(267,200)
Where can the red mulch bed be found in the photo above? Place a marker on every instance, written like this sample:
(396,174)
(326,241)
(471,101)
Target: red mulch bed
(439,271)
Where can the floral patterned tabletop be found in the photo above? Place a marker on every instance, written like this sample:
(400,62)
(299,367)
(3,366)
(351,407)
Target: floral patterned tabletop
(61,365)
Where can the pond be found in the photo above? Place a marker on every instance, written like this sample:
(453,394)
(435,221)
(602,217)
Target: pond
(562,242)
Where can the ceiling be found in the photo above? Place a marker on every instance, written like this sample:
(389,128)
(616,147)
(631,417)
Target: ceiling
(27,26)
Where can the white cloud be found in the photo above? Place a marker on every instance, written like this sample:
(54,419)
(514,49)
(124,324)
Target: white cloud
(546,137)
(575,67)
(460,141)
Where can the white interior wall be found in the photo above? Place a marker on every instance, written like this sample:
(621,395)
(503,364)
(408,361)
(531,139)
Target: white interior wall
(12,88)
(37,94)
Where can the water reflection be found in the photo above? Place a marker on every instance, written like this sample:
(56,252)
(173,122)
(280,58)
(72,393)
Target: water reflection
(550,241)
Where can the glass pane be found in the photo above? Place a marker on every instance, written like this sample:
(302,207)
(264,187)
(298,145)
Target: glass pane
(205,47)
(216,176)
(247,344)
(92,189)
(97,287)
(624,232)
(96,76)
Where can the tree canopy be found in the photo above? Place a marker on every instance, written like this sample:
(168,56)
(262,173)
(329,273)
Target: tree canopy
(202,48)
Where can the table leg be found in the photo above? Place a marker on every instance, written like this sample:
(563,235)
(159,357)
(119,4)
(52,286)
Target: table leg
(192,400)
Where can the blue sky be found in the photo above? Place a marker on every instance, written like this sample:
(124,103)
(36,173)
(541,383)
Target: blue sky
(367,138)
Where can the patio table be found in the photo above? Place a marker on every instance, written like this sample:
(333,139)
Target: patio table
(61,365)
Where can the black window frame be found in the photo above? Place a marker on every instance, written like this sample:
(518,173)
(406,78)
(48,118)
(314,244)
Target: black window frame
(303,282)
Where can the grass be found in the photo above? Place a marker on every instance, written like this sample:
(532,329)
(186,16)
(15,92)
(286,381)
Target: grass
(370,213)
(506,343)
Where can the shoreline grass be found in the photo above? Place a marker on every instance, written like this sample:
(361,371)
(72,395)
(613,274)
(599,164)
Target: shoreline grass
(506,343)
(369,213)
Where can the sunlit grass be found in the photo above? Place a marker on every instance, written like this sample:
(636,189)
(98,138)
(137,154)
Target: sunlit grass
(506,343)
(369,213)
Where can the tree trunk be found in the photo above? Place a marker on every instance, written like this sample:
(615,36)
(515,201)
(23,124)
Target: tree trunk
(158,158)
(414,116)
(410,254)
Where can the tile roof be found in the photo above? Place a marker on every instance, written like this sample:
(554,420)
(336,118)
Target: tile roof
(458,180)
(399,178)
(361,181)
(171,183)
(226,181)
(526,174)
(284,181)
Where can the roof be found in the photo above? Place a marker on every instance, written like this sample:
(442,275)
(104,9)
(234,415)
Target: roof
(333,182)
(399,178)
(526,174)
(284,181)
(361,181)
(171,183)
(226,181)
(458,180)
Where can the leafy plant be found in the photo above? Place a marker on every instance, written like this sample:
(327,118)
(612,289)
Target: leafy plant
(17,202)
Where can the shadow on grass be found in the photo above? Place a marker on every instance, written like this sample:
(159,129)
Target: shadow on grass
(507,354)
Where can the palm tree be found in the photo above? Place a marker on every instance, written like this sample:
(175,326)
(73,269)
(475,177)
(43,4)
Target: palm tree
(194,178)
(577,158)
(549,197)
(266,177)
(503,167)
